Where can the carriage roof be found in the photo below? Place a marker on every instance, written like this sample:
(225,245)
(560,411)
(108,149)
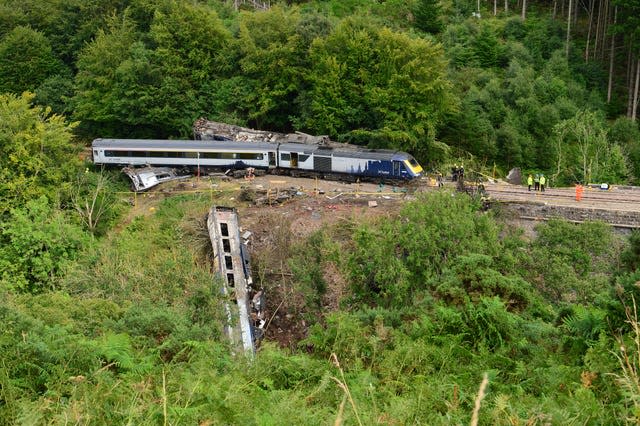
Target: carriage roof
(158,144)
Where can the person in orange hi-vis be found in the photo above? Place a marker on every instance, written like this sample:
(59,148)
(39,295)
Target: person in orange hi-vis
(579,190)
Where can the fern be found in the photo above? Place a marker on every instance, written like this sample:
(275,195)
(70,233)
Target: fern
(116,350)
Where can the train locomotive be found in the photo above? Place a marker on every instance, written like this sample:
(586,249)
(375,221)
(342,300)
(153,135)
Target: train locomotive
(290,158)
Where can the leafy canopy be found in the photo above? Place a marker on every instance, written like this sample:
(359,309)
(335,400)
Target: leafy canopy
(37,156)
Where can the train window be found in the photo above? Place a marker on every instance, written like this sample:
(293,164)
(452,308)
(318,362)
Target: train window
(413,162)
(139,154)
(249,156)
(173,154)
(210,155)
(285,157)
(303,157)
(190,155)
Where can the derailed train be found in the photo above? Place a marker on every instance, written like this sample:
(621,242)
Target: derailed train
(291,158)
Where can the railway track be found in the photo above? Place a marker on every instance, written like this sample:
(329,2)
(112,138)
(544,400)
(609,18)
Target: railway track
(612,199)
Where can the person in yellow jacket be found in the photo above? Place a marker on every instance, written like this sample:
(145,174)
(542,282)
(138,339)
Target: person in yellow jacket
(530,181)
(543,181)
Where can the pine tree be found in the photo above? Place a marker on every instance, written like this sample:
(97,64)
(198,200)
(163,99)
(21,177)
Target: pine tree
(427,16)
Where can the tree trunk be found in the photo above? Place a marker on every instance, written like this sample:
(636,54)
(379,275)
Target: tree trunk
(590,24)
(606,15)
(630,69)
(495,7)
(506,6)
(524,10)
(611,55)
(597,37)
(635,91)
(569,16)
(555,9)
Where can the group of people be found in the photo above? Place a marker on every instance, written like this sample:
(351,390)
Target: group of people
(538,182)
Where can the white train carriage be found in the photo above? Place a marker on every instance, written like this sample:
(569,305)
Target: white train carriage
(184,153)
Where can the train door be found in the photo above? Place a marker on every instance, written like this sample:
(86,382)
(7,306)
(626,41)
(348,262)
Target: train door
(396,168)
(272,159)
(294,160)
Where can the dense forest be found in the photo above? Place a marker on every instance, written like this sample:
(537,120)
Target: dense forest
(108,316)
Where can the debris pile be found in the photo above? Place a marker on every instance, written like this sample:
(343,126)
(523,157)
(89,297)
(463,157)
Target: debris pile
(204,129)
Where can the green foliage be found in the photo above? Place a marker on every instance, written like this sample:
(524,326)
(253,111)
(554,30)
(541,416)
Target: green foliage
(94,199)
(367,78)
(26,60)
(116,350)
(398,257)
(38,241)
(273,50)
(37,156)
(625,134)
(441,294)
(475,276)
(427,16)
(308,264)
(583,152)
(154,85)
(570,261)
(630,256)
(584,327)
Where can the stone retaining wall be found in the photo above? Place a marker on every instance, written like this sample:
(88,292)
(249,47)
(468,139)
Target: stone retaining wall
(536,211)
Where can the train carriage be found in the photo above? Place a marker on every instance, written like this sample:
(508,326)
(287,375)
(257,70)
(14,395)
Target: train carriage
(356,162)
(184,153)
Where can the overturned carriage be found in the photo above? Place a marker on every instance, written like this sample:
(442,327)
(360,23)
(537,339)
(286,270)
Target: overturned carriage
(244,305)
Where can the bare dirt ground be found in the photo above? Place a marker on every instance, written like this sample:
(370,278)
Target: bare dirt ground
(278,228)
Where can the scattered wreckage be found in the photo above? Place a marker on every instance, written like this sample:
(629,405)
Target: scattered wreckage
(204,129)
(244,305)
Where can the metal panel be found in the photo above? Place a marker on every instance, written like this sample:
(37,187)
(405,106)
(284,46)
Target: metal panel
(230,264)
(321,164)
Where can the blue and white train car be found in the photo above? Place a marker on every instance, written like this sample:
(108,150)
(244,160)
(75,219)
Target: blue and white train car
(357,162)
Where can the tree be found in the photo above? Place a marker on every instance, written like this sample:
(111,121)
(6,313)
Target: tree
(155,84)
(427,16)
(96,101)
(93,200)
(583,151)
(273,58)
(37,156)
(375,80)
(37,240)
(625,133)
(26,60)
